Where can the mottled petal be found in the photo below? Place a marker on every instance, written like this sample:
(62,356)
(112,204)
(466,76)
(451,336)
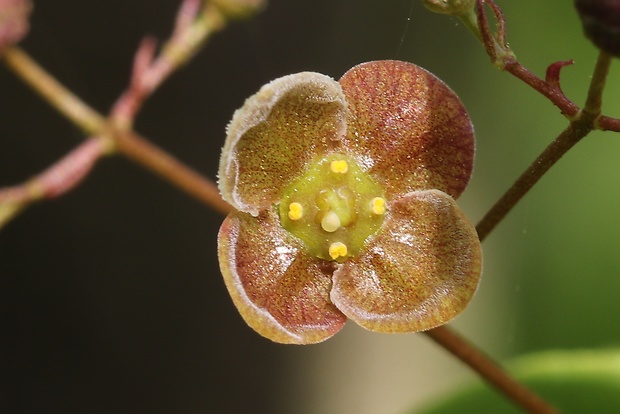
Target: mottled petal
(280,291)
(273,136)
(419,272)
(408,128)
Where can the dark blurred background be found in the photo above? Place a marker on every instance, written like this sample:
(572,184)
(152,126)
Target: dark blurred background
(111,299)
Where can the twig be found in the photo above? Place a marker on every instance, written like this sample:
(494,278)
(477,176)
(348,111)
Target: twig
(193,27)
(565,141)
(554,94)
(584,122)
(55,181)
(489,370)
(503,57)
(195,22)
(163,164)
(51,90)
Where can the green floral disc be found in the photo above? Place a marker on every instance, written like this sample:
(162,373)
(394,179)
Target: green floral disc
(333,208)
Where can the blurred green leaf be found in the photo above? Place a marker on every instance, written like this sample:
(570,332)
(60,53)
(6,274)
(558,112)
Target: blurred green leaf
(573,381)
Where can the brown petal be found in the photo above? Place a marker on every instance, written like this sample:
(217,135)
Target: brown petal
(408,128)
(419,271)
(274,135)
(280,291)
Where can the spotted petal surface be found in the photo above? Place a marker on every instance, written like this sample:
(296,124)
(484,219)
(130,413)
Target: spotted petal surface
(408,128)
(273,136)
(344,204)
(418,272)
(280,291)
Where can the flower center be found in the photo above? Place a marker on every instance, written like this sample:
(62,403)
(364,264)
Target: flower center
(333,207)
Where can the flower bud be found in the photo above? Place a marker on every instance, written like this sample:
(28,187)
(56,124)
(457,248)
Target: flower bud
(601,23)
(453,7)
(13,21)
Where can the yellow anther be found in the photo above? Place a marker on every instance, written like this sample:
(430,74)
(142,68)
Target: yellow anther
(295,211)
(377,205)
(330,222)
(337,250)
(339,166)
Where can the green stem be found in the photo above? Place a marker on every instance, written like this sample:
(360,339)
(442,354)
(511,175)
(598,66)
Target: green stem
(53,91)
(597,85)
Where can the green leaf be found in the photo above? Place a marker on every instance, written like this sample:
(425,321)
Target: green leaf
(573,381)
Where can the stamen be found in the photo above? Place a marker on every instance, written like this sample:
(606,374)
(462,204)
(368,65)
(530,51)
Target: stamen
(377,205)
(295,211)
(333,201)
(339,166)
(330,222)
(337,250)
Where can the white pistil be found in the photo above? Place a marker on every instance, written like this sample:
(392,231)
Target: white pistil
(330,222)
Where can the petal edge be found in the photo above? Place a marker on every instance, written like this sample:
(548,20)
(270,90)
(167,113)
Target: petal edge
(408,128)
(273,136)
(419,272)
(281,292)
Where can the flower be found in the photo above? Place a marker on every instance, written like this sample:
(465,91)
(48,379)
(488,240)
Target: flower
(343,195)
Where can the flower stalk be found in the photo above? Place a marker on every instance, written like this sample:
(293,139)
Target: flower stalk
(56,94)
(585,121)
(490,371)
(196,22)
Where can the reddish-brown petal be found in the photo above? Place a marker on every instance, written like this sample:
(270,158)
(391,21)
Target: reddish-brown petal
(275,134)
(418,272)
(408,128)
(280,291)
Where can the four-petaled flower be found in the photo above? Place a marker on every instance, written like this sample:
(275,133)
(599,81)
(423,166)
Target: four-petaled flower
(344,204)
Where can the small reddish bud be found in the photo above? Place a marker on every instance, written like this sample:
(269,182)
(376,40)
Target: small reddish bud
(601,23)
(13,21)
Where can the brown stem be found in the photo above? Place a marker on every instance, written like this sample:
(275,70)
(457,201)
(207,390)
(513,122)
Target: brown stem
(128,143)
(565,141)
(504,58)
(489,370)
(555,95)
(607,123)
(166,166)
(194,26)
(583,123)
